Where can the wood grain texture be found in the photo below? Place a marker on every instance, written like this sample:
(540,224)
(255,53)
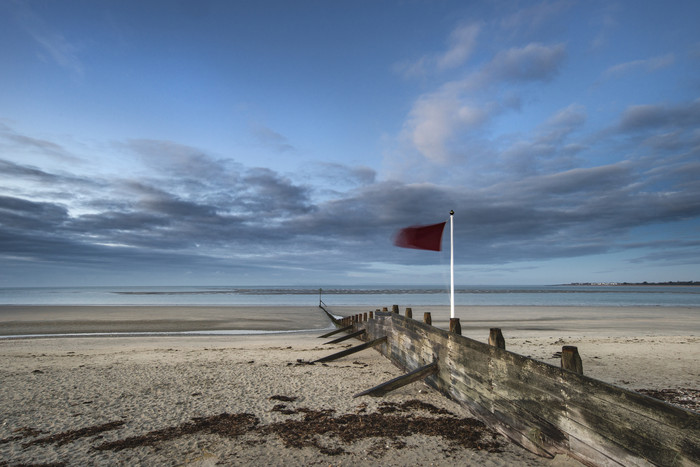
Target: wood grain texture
(546,409)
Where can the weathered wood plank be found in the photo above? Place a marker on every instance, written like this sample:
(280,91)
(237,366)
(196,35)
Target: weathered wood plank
(351,350)
(344,338)
(400,381)
(610,419)
(335,331)
(543,407)
(333,319)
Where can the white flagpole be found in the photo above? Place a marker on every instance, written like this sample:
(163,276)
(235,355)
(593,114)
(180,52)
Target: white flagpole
(452,266)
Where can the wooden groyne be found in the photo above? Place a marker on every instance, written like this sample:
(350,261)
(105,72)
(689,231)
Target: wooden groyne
(547,409)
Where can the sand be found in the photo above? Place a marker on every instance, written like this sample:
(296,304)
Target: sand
(252,399)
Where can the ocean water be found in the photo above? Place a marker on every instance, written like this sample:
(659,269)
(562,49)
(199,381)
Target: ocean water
(372,296)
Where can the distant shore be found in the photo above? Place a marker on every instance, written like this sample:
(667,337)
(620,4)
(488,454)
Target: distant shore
(612,284)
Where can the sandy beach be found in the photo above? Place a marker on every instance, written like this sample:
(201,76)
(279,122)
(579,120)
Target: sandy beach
(253,399)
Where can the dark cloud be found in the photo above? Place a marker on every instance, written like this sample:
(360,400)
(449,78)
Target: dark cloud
(194,212)
(268,193)
(10,169)
(24,215)
(645,117)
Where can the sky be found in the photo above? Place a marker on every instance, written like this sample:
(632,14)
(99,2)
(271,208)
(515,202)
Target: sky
(285,143)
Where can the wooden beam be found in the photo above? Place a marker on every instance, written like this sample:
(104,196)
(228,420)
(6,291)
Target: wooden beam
(351,350)
(349,336)
(333,319)
(403,380)
(335,331)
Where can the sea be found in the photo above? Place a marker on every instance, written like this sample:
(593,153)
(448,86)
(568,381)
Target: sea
(372,296)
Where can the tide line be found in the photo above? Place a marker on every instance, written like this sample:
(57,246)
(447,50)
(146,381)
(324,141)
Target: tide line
(222,332)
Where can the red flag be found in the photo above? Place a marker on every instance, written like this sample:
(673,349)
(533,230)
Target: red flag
(422,237)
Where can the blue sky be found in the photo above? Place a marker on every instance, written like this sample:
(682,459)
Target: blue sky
(241,143)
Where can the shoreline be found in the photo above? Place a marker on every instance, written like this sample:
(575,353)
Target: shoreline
(535,321)
(663,341)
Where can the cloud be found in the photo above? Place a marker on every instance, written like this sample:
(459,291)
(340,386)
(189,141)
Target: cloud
(550,149)
(435,118)
(645,117)
(443,123)
(439,121)
(24,179)
(189,172)
(605,22)
(343,176)
(532,18)
(11,169)
(270,224)
(21,214)
(694,51)
(647,65)
(14,141)
(271,194)
(53,44)
(272,139)
(177,159)
(461,45)
(534,62)
(191,210)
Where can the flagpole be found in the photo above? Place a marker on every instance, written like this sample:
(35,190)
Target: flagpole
(452,266)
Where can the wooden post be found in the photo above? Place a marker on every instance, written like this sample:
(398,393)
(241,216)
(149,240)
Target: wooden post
(385,309)
(427,318)
(570,359)
(409,313)
(364,317)
(455,326)
(395,309)
(371,315)
(496,338)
